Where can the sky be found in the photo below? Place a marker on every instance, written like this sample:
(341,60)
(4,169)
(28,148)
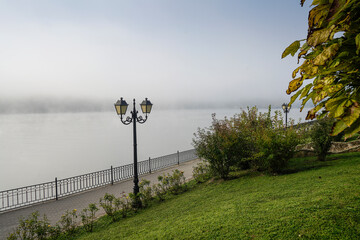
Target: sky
(190,53)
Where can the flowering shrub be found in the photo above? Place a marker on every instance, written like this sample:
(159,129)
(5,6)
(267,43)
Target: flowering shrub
(201,172)
(125,205)
(34,228)
(88,217)
(111,205)
(146,192)
(68,221)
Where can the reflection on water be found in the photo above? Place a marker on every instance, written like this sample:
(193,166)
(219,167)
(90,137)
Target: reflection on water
(36,148)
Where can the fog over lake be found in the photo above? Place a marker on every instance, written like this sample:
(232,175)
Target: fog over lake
(36,148)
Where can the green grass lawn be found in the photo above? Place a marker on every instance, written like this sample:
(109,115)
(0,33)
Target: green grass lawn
(314,200)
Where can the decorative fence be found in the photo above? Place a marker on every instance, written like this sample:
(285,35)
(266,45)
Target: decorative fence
(19,197)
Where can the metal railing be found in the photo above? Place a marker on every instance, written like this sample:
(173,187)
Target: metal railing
(24,196)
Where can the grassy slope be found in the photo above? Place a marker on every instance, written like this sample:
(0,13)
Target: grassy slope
(319,201)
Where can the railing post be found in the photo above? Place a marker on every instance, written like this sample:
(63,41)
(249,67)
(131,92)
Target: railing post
(178,157)
(56,189)
(112,177)
(149,165)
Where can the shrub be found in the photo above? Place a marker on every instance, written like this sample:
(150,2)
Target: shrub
(276,149)
(34,228)
(88,217)
(68,221)
(159,191)
(169,184)
(201,172)
(321,139)
(111,205)
(248,139)
(222,146)
(125,205)
(173,183)
(146,192)
(177,182)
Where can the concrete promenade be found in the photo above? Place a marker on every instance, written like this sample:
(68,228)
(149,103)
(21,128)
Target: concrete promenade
(54,209)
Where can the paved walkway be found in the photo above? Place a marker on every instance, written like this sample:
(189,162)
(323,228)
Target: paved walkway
(54,209)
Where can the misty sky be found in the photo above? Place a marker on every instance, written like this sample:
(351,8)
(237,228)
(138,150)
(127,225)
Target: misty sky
(184,51)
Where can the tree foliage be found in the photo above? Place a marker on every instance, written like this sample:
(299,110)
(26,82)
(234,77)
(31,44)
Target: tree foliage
(330,55)
(321,139)
(222,146)
(249,139)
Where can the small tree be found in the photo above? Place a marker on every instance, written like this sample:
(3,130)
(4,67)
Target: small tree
(329,73)
(321,139)
(273,146)
(222,146)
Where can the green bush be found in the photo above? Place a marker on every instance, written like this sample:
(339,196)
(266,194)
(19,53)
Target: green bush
(248,139)
(321,139)
(111,205)
(222,146)
(125,205)
(34,228)
(201,172)
(146,192)
(88,217)
(173,183)
(159,191)
(276,149)
(68,221)
(169,184)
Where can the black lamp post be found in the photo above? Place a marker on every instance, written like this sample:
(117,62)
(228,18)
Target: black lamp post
(121,107)
(286,107)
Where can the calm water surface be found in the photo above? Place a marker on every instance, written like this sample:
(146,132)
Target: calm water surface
(36,148)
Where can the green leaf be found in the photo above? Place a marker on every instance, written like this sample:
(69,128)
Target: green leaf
(305,90)
(357,41)
(353,115)
(315,2)
(312,113)
(292,49)
(310,96)
(354,128)
(333,103)
(338,128)
(293,98)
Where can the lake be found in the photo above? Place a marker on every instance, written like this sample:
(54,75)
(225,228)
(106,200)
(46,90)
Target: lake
(36,148)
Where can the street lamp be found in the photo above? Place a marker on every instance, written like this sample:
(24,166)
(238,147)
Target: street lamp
(286,107)
(121,107)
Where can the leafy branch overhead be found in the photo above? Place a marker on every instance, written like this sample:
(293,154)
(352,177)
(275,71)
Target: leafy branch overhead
(331,61)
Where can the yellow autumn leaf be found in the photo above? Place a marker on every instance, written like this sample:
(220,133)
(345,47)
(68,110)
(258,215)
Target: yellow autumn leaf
(354,114)
(326,54)
(319,96)
(319,36)
(312,113)
(317,15)
(296,71)
(294,85)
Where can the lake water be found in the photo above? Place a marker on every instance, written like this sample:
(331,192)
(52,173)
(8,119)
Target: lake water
(36,148)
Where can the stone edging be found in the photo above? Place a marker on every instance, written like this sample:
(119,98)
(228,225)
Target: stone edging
(336,147)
